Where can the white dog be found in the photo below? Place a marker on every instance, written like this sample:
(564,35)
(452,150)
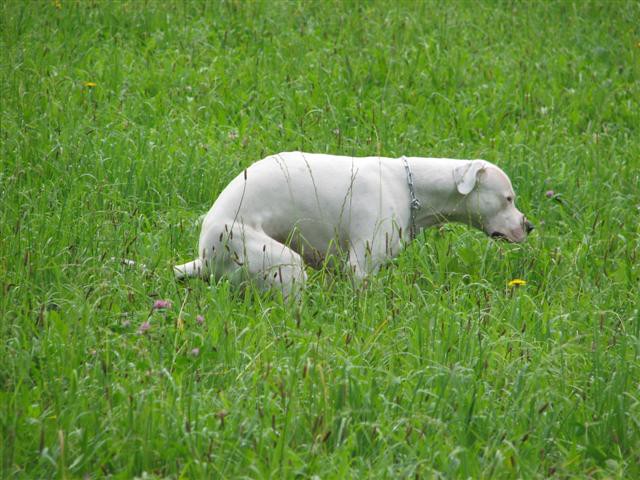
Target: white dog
(295,207)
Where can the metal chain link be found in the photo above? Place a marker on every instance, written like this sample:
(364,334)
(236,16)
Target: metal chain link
(415,204)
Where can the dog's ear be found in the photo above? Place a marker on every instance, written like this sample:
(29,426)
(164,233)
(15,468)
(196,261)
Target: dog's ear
(466,176)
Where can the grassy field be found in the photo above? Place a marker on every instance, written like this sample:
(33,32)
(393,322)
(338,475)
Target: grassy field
(122,121)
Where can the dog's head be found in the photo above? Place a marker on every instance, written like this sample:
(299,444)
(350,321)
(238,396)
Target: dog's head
(489,201)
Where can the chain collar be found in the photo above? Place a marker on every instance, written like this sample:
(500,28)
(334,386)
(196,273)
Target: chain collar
(415,204)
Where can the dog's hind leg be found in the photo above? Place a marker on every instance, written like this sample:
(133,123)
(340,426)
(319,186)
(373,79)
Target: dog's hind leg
(244,253)
(273,265)
(189,269)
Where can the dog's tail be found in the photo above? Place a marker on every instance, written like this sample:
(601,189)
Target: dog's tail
(189,269)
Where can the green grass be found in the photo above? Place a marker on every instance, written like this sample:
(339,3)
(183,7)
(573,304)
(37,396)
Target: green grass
(437,368)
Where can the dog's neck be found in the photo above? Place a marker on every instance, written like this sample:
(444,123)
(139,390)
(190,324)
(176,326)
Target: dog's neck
(436,190)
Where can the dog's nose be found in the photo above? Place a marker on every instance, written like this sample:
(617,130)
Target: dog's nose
(528,226)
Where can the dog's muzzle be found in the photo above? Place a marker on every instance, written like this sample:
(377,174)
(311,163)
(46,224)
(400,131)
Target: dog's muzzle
(528,226)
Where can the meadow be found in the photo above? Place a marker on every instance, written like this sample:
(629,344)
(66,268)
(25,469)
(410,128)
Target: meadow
(122,121)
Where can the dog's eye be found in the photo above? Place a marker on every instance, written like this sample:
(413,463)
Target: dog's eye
(509,199)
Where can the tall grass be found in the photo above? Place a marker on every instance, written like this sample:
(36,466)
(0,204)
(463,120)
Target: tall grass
(437,367)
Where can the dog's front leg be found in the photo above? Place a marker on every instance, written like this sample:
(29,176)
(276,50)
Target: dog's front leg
(365,259)
(367,255)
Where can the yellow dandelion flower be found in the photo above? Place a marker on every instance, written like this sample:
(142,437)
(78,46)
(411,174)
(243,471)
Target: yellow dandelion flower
(516,282)
(90,84)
